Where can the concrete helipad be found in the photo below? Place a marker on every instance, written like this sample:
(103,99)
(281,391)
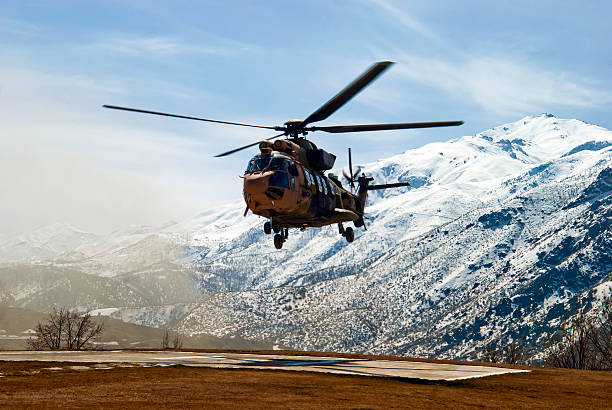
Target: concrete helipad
(337,365)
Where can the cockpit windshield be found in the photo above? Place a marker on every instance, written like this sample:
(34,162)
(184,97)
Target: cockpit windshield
(257,164)
(278,164)
(271,163)
(279,179)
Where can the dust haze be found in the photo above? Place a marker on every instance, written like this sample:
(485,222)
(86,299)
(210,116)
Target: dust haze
(65,159)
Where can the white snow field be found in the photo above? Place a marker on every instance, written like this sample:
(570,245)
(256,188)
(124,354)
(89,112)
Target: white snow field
(500,237)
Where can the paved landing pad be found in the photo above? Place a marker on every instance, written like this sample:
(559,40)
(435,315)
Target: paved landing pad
(337,365)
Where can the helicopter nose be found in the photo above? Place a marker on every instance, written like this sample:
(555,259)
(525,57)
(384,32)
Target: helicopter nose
(256,184)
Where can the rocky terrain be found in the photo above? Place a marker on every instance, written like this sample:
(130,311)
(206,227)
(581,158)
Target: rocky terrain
(501,236)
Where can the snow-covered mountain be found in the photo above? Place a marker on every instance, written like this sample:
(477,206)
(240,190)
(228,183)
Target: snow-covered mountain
(47,242)
(498,236)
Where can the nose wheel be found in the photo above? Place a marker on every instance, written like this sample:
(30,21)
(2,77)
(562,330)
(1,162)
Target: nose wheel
(276,227)
(281,237)
(348,233)
(271,226)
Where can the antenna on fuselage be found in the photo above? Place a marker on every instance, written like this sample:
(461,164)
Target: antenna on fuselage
(351,170)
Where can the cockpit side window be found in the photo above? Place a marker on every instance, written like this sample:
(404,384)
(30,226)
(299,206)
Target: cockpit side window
(322,185)
(249,167)
(307,178)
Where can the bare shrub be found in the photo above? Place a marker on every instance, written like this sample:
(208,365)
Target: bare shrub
(601,339)
(513,353)
(510,353)
(491,354)
(65,329)
(169,340)
(165,343)
(585,342)
(177,341)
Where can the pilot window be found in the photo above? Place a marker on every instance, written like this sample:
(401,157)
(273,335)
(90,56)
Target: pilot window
(257,164)
(278,164)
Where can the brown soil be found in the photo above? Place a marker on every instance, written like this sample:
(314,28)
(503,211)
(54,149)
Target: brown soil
(32,384)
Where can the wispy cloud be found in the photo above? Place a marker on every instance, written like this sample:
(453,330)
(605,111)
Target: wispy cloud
(18,27)
(158,46)
(507,85)
(503,86)
(406,20)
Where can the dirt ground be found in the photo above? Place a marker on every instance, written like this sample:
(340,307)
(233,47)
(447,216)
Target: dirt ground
(52,385)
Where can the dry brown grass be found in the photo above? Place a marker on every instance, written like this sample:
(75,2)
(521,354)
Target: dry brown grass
(181,387)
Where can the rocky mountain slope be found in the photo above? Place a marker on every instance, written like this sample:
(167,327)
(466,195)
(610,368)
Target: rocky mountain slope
(499,237)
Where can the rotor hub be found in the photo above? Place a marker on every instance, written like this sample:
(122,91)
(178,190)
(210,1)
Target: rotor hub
(295,128)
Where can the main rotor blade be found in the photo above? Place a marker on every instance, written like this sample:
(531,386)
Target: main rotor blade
(349,92)
(114,107)
(247,146)
(382,127)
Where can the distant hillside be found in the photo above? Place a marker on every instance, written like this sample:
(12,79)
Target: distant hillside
(16,323)
(500,236)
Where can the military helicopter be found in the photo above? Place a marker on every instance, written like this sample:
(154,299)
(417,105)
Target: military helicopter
(286,182)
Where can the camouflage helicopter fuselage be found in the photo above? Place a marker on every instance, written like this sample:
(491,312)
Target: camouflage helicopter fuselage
(286,182)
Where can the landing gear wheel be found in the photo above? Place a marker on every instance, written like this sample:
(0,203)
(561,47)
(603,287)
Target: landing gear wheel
(349,234)
(276,227)
(267,228)
(278,241)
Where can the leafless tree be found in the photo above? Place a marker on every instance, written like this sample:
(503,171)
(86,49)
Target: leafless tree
(491,354)
(165,344)
(81,330)
(513,353)
(573,347)
(172,340)
(177,341)
(601,338)
(65,329)
(49,334)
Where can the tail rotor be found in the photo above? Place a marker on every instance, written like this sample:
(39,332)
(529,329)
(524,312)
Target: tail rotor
(349,175)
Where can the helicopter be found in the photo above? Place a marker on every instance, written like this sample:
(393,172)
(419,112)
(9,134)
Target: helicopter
(286,182)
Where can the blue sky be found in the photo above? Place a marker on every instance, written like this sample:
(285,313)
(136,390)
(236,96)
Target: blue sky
(484,62)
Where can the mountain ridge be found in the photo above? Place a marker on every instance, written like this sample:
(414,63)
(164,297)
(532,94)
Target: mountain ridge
(455,262)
